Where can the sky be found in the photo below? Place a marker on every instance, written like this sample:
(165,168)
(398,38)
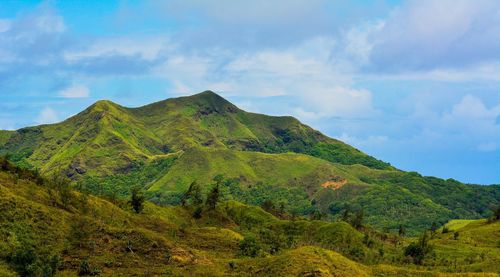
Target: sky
(414,83)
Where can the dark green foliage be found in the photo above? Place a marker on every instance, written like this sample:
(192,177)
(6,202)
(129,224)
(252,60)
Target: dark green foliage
(137,199)
(249,246)
(268,206)
(85,268)
(456,234)
(198,212)
(496,212)
(291,199)
(346,213)
(80,231)
(168,255)
(357,221)
(339,153)
(434,227)
(62,186)
(27,262)
(316,215)
(213,197)
(418,251)
(401,230)
(118,185)
(192,195)
(20,172)
(445,230)
(368,241)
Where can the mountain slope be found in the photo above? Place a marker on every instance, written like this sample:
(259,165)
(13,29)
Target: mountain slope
(167,145)
(46,230)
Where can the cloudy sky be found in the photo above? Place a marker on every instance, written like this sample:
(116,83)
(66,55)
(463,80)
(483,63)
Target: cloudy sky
(415,83)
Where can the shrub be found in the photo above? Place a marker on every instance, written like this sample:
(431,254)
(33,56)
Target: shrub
(137,200)
(24,260)
(419,250)
(249,246)
(84,268)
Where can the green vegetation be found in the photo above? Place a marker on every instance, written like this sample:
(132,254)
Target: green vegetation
(40,236)
(230,193)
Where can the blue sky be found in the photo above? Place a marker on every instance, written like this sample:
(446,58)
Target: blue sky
(415,83)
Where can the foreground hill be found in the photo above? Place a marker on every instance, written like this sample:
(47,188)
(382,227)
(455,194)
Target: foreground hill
(165,146)
(46,229)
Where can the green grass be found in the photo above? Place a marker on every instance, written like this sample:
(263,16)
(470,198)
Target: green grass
(170,241)
(111,148)
(457,224)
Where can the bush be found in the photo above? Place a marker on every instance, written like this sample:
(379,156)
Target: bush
(27,263)
(419,250)
(85,269)
(249,247)
(198,213)
(24,261)
(137,200)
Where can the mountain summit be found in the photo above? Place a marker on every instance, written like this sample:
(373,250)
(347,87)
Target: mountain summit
(167,145)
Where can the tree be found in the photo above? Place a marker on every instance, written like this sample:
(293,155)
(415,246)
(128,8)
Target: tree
(219,178)
(282,209)
(496,212)
(357,222)
(249,246)
(137,200)
(24,261)
(434,227)
(419,250)
(268,205)
(401,230)
(213,197)
(455,235)
(193,193)
(62,185)
(346,214)
(315,215)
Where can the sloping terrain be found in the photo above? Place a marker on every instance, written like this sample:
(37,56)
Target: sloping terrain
(46,229)
(164,146)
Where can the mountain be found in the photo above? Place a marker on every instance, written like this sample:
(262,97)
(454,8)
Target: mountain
(165,146)
(48,229)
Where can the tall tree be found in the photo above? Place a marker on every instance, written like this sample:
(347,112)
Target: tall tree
(137,200)
(193,193)
(346,214)
(357,221)
(213,197)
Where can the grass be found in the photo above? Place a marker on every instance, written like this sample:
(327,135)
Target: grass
(111,149)
(457,224)
(170,241)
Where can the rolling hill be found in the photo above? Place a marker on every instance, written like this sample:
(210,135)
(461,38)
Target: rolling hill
(47,230)
(165,146)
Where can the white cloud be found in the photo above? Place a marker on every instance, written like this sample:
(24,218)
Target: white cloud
(147,48)
(428,34)
(47,116)
(75,91)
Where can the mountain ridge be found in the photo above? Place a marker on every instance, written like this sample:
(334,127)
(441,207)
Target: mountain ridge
(166,145)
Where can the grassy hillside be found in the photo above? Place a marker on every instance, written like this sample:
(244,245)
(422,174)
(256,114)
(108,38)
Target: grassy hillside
(107,149)
(47,229)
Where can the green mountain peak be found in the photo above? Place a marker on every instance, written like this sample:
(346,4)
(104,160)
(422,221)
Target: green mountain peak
(167,145)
